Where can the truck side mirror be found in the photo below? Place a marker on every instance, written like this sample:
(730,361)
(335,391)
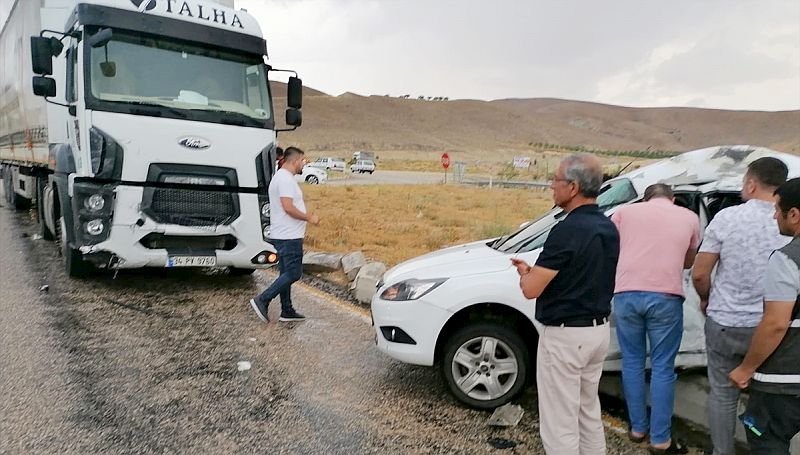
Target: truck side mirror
(294,117)
(44,86)
(294,97)
(109,69)
(100,38)
(42,52)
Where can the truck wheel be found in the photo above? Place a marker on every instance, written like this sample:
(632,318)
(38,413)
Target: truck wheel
(312,179)
(486,365)
(43,230)
(236,271)
(74,264)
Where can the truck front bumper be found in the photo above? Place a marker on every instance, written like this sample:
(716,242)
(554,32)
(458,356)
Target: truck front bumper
(136,240)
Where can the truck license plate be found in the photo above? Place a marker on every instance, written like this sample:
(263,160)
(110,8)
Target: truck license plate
(191,261)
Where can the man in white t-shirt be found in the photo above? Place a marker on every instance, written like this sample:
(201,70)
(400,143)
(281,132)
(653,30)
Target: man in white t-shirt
(288,218)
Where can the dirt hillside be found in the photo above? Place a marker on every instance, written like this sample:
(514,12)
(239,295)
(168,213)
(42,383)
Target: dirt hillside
(353,122)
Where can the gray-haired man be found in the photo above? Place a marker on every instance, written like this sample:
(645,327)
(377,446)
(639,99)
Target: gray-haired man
(573,282)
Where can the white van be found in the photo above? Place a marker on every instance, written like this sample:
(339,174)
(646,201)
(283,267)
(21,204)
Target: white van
(329,164)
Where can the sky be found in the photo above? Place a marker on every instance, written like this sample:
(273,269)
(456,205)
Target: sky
(742,54)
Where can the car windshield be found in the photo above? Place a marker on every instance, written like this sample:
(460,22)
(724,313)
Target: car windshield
(533,235)
(179,77)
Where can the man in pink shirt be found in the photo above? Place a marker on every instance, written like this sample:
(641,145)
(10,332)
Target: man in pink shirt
(657,241)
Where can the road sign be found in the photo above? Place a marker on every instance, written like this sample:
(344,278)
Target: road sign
(445,160)
(522,162)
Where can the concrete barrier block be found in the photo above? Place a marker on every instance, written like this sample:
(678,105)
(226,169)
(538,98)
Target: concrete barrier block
(352,263)
(364,286)
(321,262)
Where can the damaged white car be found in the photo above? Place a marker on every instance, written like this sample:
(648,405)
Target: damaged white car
(461,307)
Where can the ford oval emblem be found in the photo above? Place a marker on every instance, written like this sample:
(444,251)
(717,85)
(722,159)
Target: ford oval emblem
(194,143)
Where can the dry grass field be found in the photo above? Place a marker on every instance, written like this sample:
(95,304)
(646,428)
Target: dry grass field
(392,223)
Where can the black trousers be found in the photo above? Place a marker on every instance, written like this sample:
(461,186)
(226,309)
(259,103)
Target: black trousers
(776,417)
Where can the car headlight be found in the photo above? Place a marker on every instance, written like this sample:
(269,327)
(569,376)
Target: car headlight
(410,289)
(265,210)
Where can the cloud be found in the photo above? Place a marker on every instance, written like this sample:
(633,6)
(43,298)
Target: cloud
(626,51)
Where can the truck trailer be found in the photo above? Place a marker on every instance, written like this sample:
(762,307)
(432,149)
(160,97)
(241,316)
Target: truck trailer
(141,132)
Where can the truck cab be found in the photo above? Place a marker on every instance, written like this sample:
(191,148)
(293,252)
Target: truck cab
(162,134)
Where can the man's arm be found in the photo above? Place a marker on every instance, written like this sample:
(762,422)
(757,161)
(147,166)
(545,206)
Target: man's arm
(288,206)
(688,260)
(535,281)
(701,276)
(767,337)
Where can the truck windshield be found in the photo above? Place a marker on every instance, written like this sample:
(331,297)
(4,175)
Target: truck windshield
(139,74)
(532,236)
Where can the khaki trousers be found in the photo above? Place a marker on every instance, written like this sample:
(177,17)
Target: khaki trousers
(568,368)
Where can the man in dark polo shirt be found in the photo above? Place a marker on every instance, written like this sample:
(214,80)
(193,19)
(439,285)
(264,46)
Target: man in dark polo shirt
(573,282)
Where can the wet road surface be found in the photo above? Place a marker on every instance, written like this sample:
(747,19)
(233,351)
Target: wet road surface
(147,363)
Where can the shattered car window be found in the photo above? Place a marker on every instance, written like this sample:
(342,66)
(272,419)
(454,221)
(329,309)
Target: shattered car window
(533,236)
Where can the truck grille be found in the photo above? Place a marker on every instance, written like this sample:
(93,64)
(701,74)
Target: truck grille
(192,207)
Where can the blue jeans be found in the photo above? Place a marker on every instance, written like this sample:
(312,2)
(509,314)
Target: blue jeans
(640,316)
(290,264)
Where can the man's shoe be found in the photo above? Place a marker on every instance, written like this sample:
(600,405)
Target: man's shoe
(675,447)
(260,309)
(291,316)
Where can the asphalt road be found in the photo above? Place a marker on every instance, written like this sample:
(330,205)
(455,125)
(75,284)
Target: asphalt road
(147,362)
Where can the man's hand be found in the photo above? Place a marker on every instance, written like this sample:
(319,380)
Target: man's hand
(522,266)
(313,219)
(741,376)
(704,307)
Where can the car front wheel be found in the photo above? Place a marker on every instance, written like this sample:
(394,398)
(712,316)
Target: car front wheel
(312,179)
(486,365)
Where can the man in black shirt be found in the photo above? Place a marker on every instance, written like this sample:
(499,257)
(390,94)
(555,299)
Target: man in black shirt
(573,282)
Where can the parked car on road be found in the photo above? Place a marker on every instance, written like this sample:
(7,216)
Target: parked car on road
(461,307)
(362,166)
(312,175)
(329,164)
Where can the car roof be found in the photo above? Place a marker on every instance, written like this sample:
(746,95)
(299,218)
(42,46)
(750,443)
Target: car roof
(718,168)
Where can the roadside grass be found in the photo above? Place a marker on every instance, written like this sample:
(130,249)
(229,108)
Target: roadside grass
(392,223)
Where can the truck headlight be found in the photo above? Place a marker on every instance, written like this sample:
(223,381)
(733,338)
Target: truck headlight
(95,202)
(265,210)
(410,289)
(95,227)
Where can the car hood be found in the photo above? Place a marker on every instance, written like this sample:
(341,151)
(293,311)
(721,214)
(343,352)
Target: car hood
(466,259)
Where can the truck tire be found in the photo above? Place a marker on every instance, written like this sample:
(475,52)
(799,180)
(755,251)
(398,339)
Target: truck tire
(486,365)
(74,264)
(43,230)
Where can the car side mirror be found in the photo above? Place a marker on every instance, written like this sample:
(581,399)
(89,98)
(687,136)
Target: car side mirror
(44,86)
(294,96)
(42,52)
(294,117)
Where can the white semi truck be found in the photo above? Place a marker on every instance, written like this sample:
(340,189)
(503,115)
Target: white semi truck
(141,131)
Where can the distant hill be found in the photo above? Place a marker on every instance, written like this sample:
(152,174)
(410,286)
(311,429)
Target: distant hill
(354,122)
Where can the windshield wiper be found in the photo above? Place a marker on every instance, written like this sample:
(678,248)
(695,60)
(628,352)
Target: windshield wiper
(171,110)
